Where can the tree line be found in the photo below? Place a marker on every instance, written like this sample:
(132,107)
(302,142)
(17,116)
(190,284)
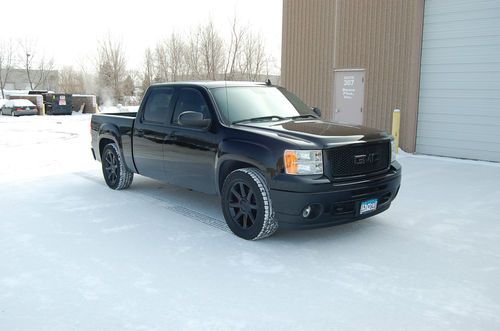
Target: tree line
(23,55)
(201,54)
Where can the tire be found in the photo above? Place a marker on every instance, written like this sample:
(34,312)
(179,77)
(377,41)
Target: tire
(246,204)
(115,173)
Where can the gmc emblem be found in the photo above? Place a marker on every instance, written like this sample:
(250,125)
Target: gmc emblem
(366,159)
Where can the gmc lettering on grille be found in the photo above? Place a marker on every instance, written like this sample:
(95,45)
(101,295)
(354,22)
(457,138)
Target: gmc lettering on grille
(371,158)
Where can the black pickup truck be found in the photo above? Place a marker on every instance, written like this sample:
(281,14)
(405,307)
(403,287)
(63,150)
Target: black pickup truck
(271,158)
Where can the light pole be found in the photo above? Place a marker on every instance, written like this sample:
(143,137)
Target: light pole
(28,69)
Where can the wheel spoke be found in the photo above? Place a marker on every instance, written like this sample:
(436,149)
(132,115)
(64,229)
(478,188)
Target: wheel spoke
(245,220)
(250,195)
(234,205)
(242,190)
(238,215)
(236,194)
(252,218)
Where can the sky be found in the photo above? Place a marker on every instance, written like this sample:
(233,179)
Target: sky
(68,31)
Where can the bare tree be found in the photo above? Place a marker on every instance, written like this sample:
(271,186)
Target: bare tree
(254,57)
(212,51)
(205,55)
(148,70)
(128,86)
(111,67)
(176,50)
(71,81)
(170,58)
(38,68)
(238,34)
(192,56)
(161,62)
(6,63)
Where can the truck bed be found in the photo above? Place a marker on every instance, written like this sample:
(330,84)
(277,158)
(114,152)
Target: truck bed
(124,124)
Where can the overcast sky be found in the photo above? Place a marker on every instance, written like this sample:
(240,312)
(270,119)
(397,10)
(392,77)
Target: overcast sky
(68,30)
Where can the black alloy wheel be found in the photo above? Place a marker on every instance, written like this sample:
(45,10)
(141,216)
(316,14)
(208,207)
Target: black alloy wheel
(243,205)
(246,204)
(111,167)
(115,172)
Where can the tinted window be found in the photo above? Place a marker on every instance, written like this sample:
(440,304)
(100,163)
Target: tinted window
(157,105)
(247,102)
(190,100)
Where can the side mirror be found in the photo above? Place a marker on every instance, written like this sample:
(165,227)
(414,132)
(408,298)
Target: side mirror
(317,111)
(193,119)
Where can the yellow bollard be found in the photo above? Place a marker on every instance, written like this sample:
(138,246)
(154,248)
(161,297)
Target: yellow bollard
(396,121)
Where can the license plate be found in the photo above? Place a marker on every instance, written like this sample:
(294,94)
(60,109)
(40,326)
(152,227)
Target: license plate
(368,206)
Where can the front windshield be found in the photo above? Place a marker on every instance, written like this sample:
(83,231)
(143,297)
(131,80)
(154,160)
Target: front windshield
(244,103)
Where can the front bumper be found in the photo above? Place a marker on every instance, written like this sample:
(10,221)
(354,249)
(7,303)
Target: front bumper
(338,204)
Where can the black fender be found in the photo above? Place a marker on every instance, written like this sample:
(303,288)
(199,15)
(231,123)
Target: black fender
(111,132)
(251,153)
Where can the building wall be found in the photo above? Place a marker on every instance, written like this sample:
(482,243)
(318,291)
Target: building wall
(18,80)
(308,50)
(381,36)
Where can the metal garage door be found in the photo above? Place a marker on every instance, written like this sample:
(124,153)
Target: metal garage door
(459,111)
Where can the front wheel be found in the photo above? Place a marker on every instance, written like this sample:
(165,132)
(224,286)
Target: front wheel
(116,174)
(246,204)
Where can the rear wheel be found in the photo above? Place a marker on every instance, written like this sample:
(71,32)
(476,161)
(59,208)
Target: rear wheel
(246,204)
(115,173)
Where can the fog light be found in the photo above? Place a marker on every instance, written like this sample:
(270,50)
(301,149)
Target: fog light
(306,212)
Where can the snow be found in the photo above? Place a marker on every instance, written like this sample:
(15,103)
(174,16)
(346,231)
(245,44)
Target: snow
(75,255)
(118,108)
(19,103)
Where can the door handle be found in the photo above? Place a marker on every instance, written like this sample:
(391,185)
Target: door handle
(337,110)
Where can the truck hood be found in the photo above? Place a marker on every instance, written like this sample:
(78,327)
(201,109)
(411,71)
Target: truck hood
(321,133)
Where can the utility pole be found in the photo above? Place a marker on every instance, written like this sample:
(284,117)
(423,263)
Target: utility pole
(28,69)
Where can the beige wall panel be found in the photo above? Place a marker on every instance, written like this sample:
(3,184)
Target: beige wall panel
(381,36)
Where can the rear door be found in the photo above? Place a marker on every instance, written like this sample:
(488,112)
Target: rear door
(151,132)
(190,152)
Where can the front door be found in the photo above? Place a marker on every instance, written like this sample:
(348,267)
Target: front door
(190,152)
(349,96)
(151,132)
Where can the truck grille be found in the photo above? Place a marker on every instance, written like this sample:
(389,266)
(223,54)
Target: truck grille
(359,159)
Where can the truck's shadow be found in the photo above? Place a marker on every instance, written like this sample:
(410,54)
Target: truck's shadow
(205,208)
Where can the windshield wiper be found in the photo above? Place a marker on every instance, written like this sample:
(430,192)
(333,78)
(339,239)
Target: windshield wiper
(303,116)
(262,118)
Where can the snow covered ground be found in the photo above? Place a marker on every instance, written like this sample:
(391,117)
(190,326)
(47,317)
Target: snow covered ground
(75,255)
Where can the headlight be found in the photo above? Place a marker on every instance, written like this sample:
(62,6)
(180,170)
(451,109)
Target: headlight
(393,150)
(303,162)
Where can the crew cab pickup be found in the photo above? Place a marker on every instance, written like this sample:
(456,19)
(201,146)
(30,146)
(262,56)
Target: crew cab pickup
(271,158)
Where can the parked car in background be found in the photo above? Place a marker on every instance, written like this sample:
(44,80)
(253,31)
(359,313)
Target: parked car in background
(18,107)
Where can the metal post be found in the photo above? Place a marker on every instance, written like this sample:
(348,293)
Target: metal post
(396,122)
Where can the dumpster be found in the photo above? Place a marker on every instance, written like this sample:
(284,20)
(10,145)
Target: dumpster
(58,104)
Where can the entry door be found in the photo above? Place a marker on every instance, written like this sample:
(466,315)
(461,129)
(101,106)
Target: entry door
(349,96)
